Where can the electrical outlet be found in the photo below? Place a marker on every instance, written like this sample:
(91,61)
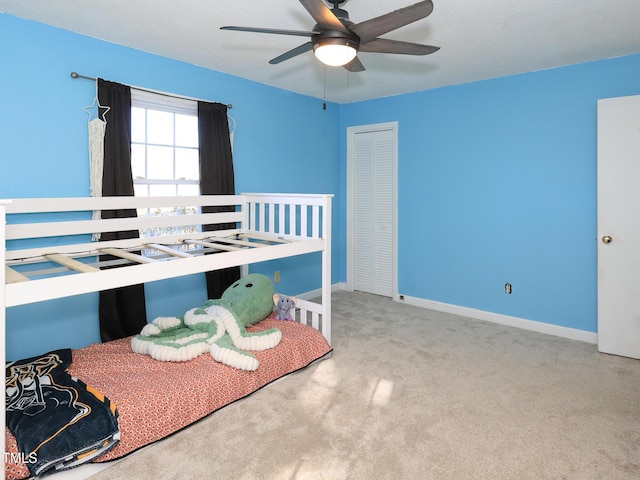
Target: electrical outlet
(507,288)
(276,277)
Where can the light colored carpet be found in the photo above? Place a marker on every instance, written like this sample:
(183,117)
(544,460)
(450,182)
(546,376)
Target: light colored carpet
(415,394)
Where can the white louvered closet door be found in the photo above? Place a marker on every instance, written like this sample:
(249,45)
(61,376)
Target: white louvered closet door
(373,210)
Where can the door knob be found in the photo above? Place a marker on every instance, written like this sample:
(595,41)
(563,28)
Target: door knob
(607,239)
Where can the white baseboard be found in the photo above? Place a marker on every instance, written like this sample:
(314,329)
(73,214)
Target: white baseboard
(540,327)
(318,291)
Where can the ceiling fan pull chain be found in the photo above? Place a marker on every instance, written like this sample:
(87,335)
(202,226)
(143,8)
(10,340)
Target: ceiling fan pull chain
(324,86)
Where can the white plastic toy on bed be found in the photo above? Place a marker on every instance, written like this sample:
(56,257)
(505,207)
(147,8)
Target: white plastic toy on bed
(219,326)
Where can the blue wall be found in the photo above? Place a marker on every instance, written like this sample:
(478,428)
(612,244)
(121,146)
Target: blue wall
(497,183)
(280,140)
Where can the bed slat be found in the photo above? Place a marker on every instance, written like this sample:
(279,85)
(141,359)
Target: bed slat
(13,276)
(243,243)
(264,237)
(218,246)
(127,255)
(71,263)
(169,250)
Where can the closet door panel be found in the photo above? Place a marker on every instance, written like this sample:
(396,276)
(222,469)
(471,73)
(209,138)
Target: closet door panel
(364,250)
(373,212)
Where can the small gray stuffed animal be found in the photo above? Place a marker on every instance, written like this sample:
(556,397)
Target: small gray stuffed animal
(283,306)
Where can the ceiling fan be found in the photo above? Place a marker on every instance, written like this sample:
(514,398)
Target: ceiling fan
(336,40)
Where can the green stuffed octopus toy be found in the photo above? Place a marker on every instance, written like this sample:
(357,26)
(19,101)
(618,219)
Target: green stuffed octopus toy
(219,326)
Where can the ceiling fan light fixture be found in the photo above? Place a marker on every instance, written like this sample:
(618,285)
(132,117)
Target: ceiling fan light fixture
(335,52)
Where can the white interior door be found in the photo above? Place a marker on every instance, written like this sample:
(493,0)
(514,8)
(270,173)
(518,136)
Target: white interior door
(619,226)
(372,160)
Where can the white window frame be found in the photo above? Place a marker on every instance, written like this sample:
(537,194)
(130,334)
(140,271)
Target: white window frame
(171,104)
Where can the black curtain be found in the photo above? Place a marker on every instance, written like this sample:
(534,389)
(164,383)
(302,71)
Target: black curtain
(216,178)
(122,310)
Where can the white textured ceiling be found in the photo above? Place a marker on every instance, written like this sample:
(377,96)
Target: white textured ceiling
(479,39)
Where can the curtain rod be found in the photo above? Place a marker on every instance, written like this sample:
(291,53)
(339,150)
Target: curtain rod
(77,75)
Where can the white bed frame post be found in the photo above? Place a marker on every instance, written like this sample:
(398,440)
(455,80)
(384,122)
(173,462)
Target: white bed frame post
(246,205)
(326,267)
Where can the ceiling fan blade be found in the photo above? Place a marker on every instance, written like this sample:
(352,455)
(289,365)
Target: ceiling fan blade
(323,16)
(370,29)
(305,47)
(355,65)
(299,33)
(383,45)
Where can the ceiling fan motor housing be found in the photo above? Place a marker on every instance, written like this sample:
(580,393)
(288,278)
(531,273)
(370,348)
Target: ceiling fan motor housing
(335,37)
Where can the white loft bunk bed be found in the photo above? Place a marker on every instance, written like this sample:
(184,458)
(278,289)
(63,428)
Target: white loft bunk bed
(49,253)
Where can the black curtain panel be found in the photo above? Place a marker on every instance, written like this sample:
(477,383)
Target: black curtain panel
(216,178)
(122,310)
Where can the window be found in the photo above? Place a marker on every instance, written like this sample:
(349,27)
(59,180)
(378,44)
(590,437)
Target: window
(164,145)
(164,151)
